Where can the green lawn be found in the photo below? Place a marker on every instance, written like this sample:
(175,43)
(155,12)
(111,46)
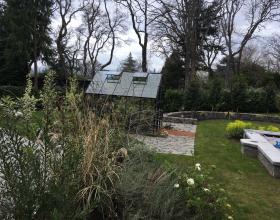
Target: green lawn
(254,194)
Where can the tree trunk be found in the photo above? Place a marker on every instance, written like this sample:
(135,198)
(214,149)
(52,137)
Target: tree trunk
(35,57)
(144,54)
(35,75)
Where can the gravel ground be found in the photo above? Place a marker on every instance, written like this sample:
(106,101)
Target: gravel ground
(172,144)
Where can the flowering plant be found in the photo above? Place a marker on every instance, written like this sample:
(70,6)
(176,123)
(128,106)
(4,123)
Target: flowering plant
(204,198)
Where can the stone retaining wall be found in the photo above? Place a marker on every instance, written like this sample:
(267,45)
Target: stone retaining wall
(180,120)
(192,117)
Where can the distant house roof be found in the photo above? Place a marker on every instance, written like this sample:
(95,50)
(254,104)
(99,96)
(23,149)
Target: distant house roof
(139,84)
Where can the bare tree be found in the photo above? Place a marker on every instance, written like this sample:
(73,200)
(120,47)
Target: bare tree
(142,16)
(183,26)
(272,55)
(100,31)
(212,47)
(258,12)
(72,56)
(251,54)
(66,12)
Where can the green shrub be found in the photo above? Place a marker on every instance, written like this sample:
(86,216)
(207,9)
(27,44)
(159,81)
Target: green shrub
(236,129)
(13,91)
(194,97)
(269,128)
(215,94)
(277,102)
(238,93)
(204,199)
(173,100)
(255,101)
(149,190)
(225,101)
(272,128)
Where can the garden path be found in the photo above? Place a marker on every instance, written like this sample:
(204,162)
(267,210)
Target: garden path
(180,139)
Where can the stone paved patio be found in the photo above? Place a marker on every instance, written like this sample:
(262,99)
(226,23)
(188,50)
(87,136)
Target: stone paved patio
(173,144)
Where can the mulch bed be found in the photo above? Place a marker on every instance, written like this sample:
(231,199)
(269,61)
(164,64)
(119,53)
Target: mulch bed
(179,133)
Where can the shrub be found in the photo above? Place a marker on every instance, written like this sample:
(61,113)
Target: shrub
(238,93)
(235,129)
(270,97)
(277,102)
(13,91)
(204,199)
(149,190)
(215,93)
(225,103)
(173,100)
(255,101)
(194,96)
(269,128)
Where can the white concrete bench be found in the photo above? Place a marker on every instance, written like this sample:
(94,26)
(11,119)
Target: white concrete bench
(249,142)
(270,152)
(254,144)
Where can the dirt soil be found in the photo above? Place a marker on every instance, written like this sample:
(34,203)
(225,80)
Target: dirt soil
(179,133)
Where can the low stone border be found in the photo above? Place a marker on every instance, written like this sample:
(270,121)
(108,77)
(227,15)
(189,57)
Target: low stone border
(192,117)
(180,120)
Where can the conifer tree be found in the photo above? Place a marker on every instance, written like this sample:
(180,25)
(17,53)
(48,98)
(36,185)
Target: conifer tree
(129,64)
(24,37)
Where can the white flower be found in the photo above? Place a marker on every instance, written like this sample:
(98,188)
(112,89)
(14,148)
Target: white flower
(176,185)
(228,205)
(206,190)
(190,181)
(18,114)
(230,217)
(198,166)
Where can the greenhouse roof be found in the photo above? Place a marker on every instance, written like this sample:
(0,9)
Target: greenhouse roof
(139,84)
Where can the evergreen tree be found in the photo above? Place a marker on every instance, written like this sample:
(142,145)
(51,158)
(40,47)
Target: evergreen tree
(215,93)
(129,64)
(15,42)
(24,37)
(193,96)
(173,72)
(2,36)
(40,11)
(239,89)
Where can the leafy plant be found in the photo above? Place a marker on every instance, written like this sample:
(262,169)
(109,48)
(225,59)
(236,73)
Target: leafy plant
(204,200)
(269,128)
(236,129)
(173,100)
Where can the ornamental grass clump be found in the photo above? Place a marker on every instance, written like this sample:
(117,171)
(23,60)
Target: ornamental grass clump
(236,129)
(59,162)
